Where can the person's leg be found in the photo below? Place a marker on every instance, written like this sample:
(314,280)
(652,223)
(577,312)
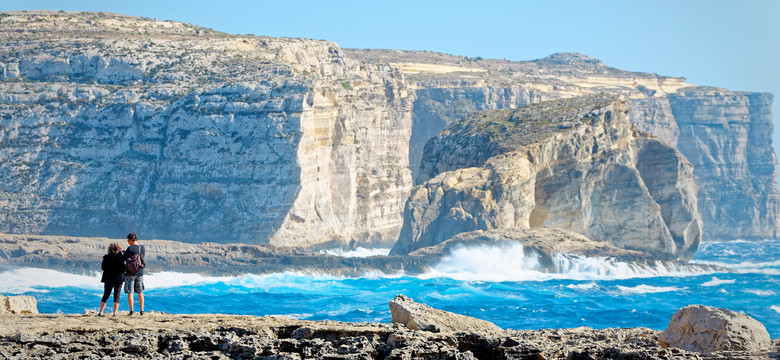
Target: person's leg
(129,284)
(139,289)
(117,288)
(106,293)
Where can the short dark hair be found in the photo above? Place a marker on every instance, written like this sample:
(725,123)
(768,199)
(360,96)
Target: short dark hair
(132,237)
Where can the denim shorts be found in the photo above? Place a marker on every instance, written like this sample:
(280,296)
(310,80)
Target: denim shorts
(134,284)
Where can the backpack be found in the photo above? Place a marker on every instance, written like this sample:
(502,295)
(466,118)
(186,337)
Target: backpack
(136,262)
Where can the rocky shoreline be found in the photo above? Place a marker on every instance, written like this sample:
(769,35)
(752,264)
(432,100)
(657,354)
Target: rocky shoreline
(166,336)
(83,254)
(417,332)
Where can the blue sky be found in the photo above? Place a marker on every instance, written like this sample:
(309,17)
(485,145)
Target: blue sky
(731,44)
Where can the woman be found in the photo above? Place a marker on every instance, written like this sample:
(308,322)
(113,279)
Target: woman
(113,275)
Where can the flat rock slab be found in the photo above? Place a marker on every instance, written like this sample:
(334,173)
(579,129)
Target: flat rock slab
(417,316)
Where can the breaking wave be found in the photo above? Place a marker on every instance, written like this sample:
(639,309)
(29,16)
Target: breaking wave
(513,263)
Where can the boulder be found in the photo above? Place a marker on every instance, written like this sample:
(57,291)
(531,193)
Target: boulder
(708,329)
(18,305)
(416,316)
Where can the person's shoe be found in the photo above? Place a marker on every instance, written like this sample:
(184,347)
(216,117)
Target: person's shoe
(99,314)
(142,312)
(131,313)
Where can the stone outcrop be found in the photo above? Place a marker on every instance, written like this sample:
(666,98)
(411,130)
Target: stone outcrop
(708,329)
(574,164)
(112,123)
(417,316)
(18,305)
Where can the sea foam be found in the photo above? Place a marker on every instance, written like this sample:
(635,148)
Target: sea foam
(360,252)
(22,280)
(717,282)
(647,289)
(512,262)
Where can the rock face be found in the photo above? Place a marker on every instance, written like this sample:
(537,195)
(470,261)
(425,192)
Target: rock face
(573,164)
(112,123)
(711,127)
(726,136)
(416,316)
(708,329)
(18,305)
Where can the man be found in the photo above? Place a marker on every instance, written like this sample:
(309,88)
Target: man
(134,283)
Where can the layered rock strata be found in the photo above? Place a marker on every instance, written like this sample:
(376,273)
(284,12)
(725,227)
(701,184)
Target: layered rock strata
(711,127)
(574,164)
(112,123)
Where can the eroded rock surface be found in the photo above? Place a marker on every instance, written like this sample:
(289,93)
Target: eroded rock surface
(417,316)
(112,123)
(574,164)
(163,336)
(727,135)
(18,305)
(709,329)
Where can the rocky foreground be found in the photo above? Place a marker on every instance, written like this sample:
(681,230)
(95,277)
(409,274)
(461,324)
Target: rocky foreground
(159,336)
(444,336)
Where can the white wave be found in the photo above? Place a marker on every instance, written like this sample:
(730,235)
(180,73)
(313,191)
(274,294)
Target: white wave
(647,289)
(760,292)
(359,252)
(775,308)
(22,280)
(717,282)
(162,280)
(588,286)
(511,262)
(769,268)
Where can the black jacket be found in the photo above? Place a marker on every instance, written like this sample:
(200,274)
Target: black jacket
(113,268)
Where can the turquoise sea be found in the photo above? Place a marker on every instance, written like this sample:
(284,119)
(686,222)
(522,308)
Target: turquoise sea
(499,285)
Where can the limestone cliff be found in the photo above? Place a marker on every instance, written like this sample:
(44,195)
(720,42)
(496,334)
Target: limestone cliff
(712,127)
(574,164)
(112,123)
